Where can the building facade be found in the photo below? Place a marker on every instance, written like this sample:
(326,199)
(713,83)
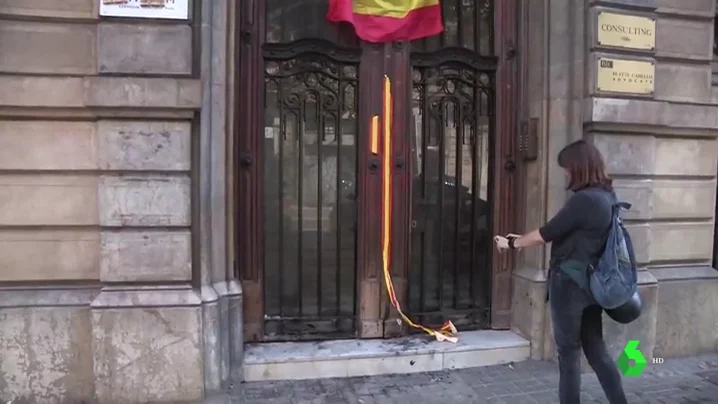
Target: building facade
(173,189)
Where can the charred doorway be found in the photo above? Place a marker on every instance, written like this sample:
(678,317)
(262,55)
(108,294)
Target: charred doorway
(308,188)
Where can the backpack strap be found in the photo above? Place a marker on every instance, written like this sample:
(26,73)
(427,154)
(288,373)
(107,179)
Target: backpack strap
(617,204)
(623,205)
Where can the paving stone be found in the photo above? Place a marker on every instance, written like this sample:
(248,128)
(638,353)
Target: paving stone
(676,381)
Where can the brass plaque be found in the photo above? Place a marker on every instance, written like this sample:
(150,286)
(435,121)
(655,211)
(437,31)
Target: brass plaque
(625,76)
(626,31)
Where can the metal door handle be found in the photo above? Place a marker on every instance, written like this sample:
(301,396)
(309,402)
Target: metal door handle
(510,165)
(245,160)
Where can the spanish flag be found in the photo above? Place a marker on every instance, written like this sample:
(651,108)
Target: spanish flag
(388,20)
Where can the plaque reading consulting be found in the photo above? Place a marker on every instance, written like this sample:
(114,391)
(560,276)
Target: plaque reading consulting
(626,31)
(625,76)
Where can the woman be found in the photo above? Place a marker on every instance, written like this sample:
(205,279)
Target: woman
(578,232)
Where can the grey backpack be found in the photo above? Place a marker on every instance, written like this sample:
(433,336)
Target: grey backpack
(614,279)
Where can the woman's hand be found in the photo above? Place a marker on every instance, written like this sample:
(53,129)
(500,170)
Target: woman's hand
(502,243)
(531,239)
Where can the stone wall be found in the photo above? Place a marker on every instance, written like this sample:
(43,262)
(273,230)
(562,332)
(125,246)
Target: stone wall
(663,153)
(661,150)
(105,292)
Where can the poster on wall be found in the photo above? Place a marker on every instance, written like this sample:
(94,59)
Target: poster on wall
(165,9)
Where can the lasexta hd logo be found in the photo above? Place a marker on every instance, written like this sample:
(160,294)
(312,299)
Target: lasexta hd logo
(631,362)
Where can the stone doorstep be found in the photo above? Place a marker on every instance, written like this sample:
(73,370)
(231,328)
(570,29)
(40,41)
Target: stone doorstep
(351,358)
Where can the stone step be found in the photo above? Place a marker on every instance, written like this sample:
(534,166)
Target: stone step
(350,358)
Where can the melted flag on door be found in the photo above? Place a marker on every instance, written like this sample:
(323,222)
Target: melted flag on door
(389,20)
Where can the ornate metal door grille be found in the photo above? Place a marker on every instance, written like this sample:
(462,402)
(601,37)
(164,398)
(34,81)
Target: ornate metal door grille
(310,190)
(453,106)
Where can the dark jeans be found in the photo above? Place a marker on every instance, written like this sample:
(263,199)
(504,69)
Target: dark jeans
(577,323)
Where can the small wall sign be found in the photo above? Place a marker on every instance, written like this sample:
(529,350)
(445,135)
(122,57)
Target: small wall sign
(625,76)
(161,9)
(626,31)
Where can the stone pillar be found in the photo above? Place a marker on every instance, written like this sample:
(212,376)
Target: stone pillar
(235,292)
(221,293)
(552,37)
(146,321)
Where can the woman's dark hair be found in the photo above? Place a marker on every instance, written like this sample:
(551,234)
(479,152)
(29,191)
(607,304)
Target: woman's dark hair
(585,166)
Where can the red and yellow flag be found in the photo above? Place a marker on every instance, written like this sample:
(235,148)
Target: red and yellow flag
(389,20)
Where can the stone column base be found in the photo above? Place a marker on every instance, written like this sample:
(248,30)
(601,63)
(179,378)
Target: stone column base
(119,344)
(687,324)
(222,335)
(147,345)
(46,345)
(529,308)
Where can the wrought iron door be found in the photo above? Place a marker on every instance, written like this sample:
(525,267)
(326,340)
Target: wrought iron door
(451,190)
(454,146)
(308,189)
(307,74)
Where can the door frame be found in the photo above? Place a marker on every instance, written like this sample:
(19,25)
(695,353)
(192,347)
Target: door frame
(505,202)
(249,36)
(375,318)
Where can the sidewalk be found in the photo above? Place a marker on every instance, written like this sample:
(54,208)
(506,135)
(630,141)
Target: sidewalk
(693,380)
